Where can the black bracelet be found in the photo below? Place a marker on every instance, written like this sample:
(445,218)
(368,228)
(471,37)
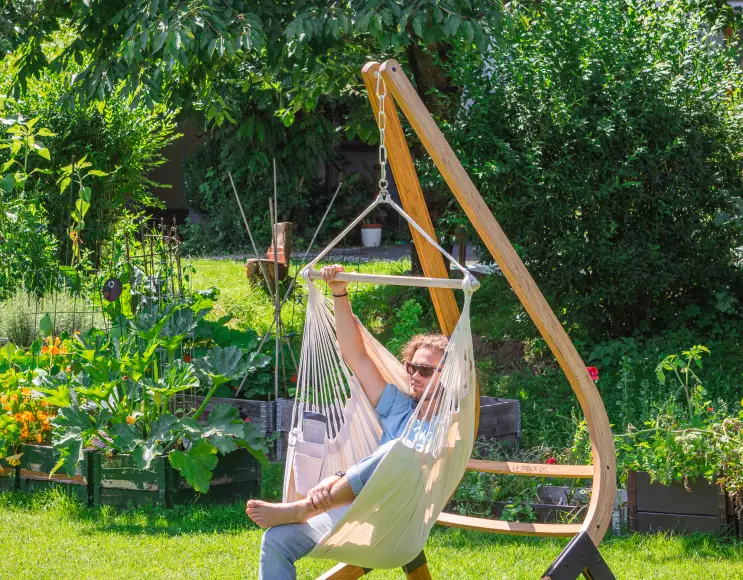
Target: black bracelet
(340,295)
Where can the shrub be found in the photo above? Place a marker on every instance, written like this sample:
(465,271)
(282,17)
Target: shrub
(118,136)
(608,139)
(246,151)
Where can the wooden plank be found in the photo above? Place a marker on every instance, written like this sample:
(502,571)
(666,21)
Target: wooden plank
(532,469)
(513,528)
(604,460)
(413,201)
(388,280)
(420,573)
(653,522)
(343,572)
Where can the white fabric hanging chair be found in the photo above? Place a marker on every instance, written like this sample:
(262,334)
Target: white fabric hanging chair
(388,524)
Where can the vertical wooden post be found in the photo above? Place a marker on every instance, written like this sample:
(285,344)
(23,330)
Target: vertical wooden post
(600,509)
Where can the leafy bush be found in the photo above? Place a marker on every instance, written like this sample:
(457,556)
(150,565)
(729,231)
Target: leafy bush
(117,136)
(608,139)
(246,151)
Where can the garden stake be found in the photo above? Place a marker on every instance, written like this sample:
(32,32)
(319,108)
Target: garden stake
(250,235)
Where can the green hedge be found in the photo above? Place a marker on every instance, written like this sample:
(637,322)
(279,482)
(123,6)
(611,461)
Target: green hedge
(607,137)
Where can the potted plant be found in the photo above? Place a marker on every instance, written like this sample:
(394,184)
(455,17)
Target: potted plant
(371,233)
(684,468)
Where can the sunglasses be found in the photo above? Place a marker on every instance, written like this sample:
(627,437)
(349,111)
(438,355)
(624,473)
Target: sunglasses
(426,371)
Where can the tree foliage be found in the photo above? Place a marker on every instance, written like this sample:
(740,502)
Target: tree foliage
(164,50)
(608,139)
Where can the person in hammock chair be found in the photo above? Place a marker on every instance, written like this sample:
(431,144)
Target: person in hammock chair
(290,536)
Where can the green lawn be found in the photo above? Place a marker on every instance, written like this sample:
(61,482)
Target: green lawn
(48,536)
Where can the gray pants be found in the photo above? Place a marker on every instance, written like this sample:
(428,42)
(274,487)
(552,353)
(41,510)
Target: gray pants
(282,546)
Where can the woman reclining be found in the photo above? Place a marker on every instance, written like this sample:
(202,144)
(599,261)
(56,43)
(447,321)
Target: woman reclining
(291,535)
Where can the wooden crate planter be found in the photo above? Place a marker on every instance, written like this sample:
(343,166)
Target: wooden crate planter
(236,478)
(8,476)
(36,465)
(119,482)
(261,413)
(653,507)
(284,408)
(500,419)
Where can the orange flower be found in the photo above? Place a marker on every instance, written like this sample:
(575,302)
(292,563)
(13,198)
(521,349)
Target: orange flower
(28,416)
(130,420)
(41,416)
(3,400)
(39,438)
(14,398)
(18,417)
(43,403)
(26,392)
(24,432)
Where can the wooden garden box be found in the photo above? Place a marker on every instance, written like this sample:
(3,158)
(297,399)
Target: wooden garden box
(500,419)
(284,408)
(38,461)
(237,477)
(119,482)
(653,507)
(8,475)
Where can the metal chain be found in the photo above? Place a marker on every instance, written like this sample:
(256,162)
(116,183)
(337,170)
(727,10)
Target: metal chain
(383,184)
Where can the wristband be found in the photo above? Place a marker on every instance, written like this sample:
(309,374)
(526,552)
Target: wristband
(340,295)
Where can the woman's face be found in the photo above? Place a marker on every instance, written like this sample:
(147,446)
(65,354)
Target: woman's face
(427,357)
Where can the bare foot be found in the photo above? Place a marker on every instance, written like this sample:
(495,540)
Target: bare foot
(268,515)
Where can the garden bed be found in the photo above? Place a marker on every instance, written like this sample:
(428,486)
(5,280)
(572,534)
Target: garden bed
(119,482)
(8,476)
(500,419)
(261,413)
(654,507)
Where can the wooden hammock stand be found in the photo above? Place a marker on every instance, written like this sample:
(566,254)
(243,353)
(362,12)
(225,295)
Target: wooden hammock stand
(581,555)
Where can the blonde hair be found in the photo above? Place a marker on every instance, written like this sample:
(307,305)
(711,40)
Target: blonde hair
(433,340)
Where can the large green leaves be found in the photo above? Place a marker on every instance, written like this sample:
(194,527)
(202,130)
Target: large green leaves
(196,464)
(223,364)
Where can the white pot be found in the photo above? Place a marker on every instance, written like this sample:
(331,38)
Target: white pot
(371,235)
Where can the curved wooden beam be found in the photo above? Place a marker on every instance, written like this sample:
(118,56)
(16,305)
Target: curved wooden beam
(414,204)
(601,504)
